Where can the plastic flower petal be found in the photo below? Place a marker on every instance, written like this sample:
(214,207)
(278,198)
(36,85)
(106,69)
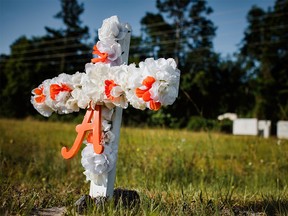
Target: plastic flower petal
(108,52)
(38,100)
(112,29)
(39,95)
(109,85)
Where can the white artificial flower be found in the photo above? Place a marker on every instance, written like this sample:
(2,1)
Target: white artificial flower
(119,98)
(107,113)
(77,97)
(166,75)
(43,109)
(109,137)
(106,125)
(72,105)
(76,79)
(135,101)
(38,100)
(63,86)
(100,180)
(168,94)
(113,49)
(133,81)
(97,165)
(112,29)
(94,82)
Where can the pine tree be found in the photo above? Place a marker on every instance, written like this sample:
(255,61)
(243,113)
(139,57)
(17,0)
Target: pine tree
(33,60)
(182,30)
(68,43)
(265,48)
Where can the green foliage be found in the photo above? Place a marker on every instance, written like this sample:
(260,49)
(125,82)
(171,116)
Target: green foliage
(136,51)
(252,83)
(198,123)
(33,60)
(176,172)
(265,51)
(19,75)
(182,30)
(225,126)
(74,53)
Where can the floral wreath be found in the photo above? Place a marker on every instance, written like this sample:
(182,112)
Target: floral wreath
(108,83)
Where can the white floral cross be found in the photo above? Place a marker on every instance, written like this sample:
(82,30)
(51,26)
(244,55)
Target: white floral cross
(107,83)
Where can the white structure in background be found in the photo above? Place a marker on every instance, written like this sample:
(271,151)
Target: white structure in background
(264,128)
(245,126)
(230,116)
(282,129)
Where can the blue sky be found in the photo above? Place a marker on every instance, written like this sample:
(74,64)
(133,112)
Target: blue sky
(28,17)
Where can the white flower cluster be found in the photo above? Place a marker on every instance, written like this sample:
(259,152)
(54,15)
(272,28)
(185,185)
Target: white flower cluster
(97,165)
(153,82)
(112,29)
(107,48)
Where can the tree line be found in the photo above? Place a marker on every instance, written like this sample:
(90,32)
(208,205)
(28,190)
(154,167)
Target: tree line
(252,83)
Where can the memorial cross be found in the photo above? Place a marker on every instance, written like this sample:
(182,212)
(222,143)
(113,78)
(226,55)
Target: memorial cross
(107,86)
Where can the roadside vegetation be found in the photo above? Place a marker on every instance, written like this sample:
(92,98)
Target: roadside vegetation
(175,172)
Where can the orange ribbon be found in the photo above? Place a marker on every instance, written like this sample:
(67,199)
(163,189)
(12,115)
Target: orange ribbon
(102,57)
(55,89)
(146,95)
(109,85)
(91,122)
(40,98)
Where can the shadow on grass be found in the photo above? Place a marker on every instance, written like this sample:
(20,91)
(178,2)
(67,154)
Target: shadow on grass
(268,206)
(265,207)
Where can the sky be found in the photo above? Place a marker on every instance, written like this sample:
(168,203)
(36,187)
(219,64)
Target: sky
(29,17)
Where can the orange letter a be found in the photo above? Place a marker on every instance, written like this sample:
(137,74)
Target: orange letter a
(81,129)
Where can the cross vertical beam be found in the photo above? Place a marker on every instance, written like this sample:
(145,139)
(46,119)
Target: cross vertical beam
(108,189)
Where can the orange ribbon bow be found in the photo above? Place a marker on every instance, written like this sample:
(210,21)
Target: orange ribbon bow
(55,89)
(146,95)
(102,57)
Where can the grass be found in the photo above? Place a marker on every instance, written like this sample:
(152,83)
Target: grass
(176,172)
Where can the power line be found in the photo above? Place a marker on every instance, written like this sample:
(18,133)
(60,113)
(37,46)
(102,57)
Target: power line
(151,44)
(165,42)
(53,40)
(67,39)
(45,57)
(225,12)
(54,48)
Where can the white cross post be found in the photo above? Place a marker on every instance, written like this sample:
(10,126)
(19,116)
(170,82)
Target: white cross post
(107,190)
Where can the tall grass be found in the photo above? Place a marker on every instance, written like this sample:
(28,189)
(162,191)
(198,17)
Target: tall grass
(176,172)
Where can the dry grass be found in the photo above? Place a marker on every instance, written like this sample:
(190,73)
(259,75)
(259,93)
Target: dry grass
(176,172)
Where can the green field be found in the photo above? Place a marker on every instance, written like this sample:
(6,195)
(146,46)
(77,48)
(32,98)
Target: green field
(176,172)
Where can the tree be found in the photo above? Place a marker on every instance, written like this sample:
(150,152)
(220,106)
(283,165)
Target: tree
(159,36)
(68,43)
(234,91)
(265,49)
(33,60)
(182,30)
(137,51)
(18,74)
